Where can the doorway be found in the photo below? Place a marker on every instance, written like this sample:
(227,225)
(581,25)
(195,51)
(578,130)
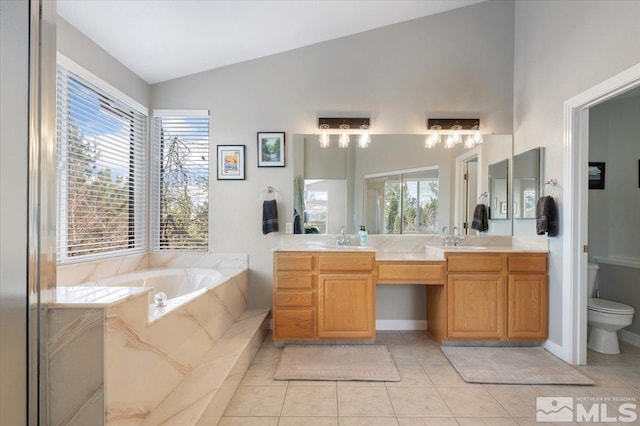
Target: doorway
(575,215)
(466,188)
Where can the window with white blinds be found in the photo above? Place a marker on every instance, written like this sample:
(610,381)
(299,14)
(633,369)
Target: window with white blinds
(181,180)
(101,170)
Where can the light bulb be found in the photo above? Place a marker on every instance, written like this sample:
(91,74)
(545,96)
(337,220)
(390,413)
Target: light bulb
(343,141)
(428,142)
(325,140)
(450,142)
(477,137)
(364,140)
(469,142)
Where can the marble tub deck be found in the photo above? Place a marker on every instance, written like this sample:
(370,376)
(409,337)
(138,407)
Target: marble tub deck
(128,366)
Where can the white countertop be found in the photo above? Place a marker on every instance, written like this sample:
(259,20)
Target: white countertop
(416,248)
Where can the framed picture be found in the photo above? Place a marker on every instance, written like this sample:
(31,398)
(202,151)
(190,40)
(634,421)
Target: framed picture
(271,149)
(596,175)
(230,162)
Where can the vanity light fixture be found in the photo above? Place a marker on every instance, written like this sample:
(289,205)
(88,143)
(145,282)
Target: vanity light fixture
(344,128)
(453,131)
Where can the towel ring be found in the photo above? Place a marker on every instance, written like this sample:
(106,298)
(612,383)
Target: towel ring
(269,194)
(483,197)
(553,183)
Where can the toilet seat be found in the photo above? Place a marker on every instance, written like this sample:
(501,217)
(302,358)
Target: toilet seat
(609,307)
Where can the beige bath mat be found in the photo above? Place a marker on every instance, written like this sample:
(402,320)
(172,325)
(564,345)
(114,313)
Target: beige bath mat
(526,366)
(337,362)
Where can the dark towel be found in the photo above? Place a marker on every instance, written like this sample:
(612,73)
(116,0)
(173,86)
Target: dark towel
(480,218)
(269,216)
(546,217)
(297,224)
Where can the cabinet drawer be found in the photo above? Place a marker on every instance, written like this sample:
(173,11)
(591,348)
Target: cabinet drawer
(294,262)
(293,299)
(471,262)
(528,262)
(294,280)
(345,262)
(293,324)
(410,273)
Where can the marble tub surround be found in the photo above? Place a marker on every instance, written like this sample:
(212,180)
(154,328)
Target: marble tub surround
(204,393)
(75,273)
(75,354)
(92,296)
(81,272)
(142,362)
(227,263)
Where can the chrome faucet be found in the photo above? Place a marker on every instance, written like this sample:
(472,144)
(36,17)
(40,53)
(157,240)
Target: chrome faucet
(343,240)
(451,238)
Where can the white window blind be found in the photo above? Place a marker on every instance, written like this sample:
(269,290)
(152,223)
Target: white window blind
(181,180)
(101,170)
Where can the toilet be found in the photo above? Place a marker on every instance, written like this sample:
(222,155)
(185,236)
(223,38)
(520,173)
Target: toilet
(605,317)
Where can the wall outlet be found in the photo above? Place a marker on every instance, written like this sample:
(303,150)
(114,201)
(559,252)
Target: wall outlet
(288,228)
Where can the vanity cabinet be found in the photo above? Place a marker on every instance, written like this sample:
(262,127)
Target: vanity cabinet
(324,295)
(294,295)
(476,296)
(527,306)
(497,296)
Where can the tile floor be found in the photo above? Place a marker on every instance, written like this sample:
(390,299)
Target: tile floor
(430,392)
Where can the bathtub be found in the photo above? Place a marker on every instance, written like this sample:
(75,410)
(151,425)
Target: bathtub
(180,285)
(131,355)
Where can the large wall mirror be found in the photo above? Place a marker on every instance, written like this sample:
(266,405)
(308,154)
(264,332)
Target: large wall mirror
(527,188)
(397,186)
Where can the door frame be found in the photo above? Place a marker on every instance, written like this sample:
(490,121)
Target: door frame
(575,210)
(475,152)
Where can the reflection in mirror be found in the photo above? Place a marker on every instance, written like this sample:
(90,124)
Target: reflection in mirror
(405,202)
(325,205)
(499,190)
(527,187)
(425,179)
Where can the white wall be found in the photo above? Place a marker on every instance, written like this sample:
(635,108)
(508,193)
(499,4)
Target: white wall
(457,63)
(614,229)
(614,211)
(79,48)
(563,48)
(14,114)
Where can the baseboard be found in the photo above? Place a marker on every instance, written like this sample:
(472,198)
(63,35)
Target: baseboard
(557,350)
(630,337)
(387,325)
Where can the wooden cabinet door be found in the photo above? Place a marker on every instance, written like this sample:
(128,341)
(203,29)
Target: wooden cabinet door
(527,307)
(476,306)
(293,324)
(346,306)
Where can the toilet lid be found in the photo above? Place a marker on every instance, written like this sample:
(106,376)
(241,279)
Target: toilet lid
(609,306)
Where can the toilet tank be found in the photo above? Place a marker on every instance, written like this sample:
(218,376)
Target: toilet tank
(592,270)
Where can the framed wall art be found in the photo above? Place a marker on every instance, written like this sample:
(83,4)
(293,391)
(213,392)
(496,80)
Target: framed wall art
(271,149)
(596,175)
(230,162)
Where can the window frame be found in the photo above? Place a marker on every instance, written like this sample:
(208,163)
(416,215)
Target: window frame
(138,191)
(155,177)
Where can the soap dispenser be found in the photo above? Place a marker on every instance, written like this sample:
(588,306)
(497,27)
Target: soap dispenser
(363,235)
